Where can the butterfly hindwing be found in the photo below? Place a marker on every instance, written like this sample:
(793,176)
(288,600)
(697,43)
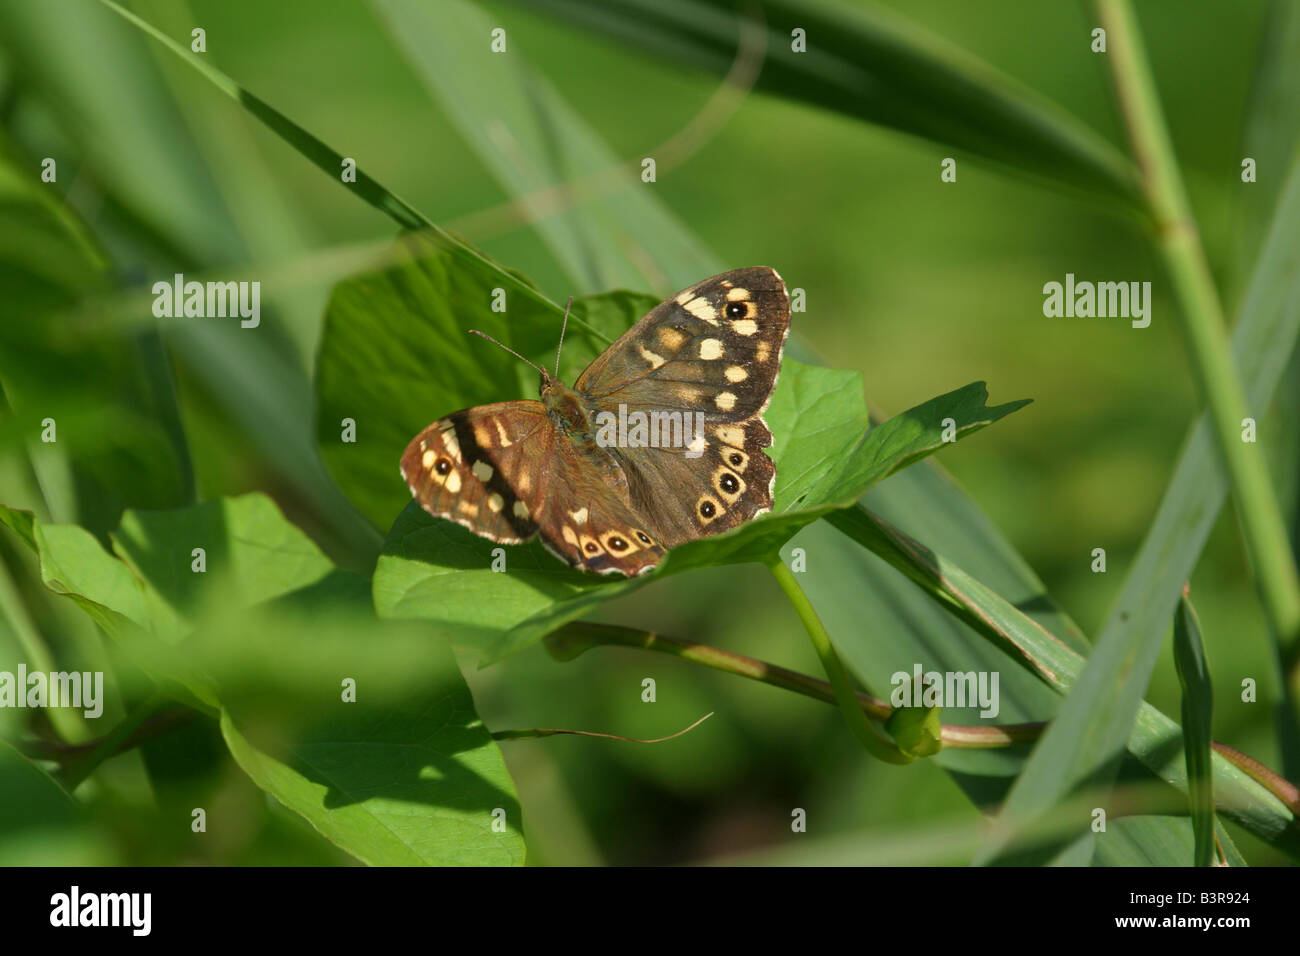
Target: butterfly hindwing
(712,352)
(729,482)
(586,520)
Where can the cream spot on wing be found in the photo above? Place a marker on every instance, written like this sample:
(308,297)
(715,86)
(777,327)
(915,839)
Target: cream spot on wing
(569,535)
(761,352)
(687,395)
(466,508)
(482,437)
(495,501)
(451,442)
(580,516)
(428,459)
(711,349)
(744,326)
(453,482)
(482,471)
(732,435)
(700,308)
(501,434)
(671,338)
(735,373)
(698,445)
(725,401)
(654,359)
(685,297)
(737,295)
(521,511)
(524,482)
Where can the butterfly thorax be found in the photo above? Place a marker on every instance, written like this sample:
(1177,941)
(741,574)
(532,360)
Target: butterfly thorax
(566,409)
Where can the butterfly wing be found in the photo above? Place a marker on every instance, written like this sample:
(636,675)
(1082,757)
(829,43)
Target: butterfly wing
(712,354)
(479,468)
(505,472)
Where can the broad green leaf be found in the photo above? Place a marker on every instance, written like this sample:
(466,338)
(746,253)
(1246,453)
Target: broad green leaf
(396,354)
(1089,732)
(40,825)
(266,636)
(873,66)
(433,569)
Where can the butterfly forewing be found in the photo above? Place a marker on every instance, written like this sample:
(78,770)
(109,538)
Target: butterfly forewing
(478,466)
(714,348)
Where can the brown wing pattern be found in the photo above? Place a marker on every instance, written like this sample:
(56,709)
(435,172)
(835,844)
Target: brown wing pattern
(711,354)
(480,467)
(506,473)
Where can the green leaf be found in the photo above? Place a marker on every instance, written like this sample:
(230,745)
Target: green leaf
(873,66)
(417,784)
(1197,708)
(435,570)
(265,636)
(40,825)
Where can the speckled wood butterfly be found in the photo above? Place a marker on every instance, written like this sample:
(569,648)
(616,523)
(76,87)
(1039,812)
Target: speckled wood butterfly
(659,441)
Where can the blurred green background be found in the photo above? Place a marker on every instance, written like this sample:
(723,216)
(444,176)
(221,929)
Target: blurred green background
(921,286)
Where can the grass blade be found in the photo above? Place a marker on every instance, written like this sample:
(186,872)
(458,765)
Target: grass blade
(1198,707)
(875,67)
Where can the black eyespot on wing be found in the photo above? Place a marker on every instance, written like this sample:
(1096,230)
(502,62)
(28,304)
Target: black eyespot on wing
(707,509)
(736,310)
(443,466)
(735,458)
(729,483)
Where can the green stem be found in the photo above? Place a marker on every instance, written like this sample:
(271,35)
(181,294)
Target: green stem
(579,636)
(1178,243)
(576,637)
(111,743)
(875,743)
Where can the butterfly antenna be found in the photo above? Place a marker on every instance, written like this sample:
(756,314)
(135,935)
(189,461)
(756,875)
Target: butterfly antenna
(484,335)
(563,325)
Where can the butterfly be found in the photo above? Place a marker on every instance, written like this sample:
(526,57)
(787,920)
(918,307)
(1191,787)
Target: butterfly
(660,440)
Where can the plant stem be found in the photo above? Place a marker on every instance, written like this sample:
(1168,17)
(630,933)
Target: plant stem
(1204,329)
(875,743)
(110,744)
(574,638)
